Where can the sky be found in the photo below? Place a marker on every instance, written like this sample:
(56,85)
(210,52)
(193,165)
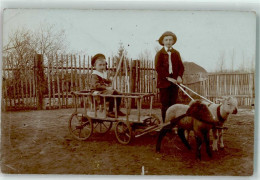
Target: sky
(203,36)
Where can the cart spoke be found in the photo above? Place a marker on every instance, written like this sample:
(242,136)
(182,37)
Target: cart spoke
(127,135)
(79,132)
(96,125)
(74,129)
(100,127)
(105,125)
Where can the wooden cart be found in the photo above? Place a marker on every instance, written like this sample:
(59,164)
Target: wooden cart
(93,116)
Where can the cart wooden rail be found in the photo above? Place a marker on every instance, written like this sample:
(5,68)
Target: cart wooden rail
(95,119)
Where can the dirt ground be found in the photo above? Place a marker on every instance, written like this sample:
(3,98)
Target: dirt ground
(39,142)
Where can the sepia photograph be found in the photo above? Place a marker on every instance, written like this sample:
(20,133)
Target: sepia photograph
(128,92)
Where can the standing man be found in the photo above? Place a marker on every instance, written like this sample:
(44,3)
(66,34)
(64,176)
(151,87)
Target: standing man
(168,64)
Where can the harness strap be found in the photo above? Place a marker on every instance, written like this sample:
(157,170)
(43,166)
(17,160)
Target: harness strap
(221,119)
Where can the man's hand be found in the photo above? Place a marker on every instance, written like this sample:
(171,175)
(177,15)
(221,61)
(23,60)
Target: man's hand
(179,80)
(109,88)
(171,80)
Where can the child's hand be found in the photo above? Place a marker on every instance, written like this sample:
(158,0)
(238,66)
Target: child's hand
(179,80)
(171,80)
(109,88)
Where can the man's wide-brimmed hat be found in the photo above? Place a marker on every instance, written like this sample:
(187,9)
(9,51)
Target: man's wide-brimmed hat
(94,58)
(167,33)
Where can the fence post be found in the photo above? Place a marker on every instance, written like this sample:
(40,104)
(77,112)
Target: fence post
(39,81)
(134,80)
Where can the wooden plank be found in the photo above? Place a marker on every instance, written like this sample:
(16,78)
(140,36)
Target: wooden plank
(80,80)
(108,67)
(5,86)
(71,74)
(127,110)
(31,88)
(58,81)
(88,75)
(84,73)
(140,77)
(236,85)
(9,83)
(15,97)
(137,80)
(18,91)
(120,75)
(22,90)
(75,73)
(90,72)
(49,83)
(139,109)
(124,69)
(131,117)
(113,66)
(26,85)
(152,78)
(115,106)
(62,80)
(67,80)
(143,76)
(53,80)
(34,85)
(12,84)
(95,107)
(40,81)
(237,96)
(149,77)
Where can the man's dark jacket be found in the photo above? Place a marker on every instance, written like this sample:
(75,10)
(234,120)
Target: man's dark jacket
(162,67)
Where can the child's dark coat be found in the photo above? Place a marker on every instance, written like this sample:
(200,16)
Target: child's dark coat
(162,67)
(99,84)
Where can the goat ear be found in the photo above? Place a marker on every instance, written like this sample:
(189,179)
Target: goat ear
(229,98)
(223,99)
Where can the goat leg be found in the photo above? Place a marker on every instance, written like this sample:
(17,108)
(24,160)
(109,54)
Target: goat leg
(183,139)
(199,142)
(207,142)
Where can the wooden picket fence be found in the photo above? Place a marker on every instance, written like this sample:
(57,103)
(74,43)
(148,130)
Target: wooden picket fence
(218,85)
(240,85)
(65,73)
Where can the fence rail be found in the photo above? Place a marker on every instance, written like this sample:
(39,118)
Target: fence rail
(65,73)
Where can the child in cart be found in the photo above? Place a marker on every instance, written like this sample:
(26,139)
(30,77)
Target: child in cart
(101,83)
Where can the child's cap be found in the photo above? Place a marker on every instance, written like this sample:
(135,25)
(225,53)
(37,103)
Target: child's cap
(167,33)
(94,58)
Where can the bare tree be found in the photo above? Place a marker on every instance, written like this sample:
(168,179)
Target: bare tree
(145,55)
(157,48)
(48,41)
(221,62)
(242,67)
(121,51)
(23,44)
(19,48)
(232,60)
(252,68)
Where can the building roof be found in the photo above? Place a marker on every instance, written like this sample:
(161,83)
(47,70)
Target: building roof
(193,68)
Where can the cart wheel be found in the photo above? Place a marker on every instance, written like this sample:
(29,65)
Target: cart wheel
(80,126)
(123,132)
(102,127)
